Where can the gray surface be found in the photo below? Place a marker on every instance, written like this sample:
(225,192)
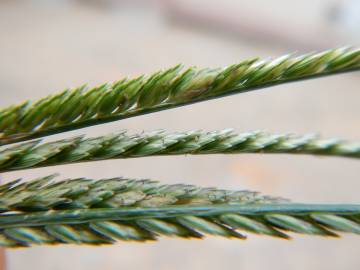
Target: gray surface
(46,47)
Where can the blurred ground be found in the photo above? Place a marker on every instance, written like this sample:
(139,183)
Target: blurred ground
(47,46)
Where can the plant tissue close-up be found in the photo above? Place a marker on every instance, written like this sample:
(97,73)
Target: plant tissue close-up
(179,134)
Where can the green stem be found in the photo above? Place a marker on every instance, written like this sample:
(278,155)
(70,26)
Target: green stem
(129,214)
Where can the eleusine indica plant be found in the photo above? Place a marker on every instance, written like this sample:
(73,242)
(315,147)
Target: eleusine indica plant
(87,211)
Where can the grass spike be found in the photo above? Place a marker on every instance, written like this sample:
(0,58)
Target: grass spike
(122,145)
(83,106)
(47,217)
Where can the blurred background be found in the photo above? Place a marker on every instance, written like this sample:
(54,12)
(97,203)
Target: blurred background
(48,46)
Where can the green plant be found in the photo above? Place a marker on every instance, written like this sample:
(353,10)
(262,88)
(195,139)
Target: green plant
(84,211)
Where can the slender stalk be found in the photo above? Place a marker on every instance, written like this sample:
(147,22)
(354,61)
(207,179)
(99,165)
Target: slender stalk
(134,213)
(119,146)
(82,107)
